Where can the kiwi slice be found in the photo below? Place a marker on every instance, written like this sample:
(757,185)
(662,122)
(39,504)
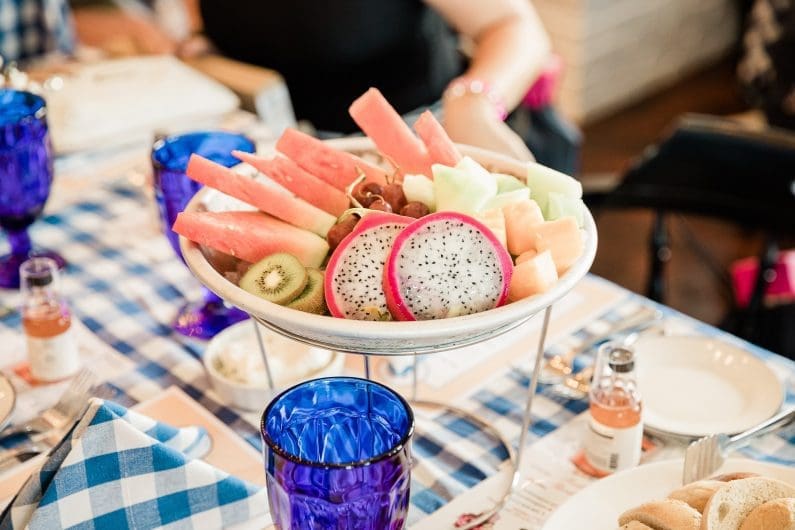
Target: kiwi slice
(312,299)
(278,278)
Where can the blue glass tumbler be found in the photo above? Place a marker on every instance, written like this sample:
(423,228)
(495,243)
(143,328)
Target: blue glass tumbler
(337,456)
(25,177)
(173,190)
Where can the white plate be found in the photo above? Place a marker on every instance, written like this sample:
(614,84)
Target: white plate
(602,502)
(290,362)
(8,397)
(386,338)
(695,386)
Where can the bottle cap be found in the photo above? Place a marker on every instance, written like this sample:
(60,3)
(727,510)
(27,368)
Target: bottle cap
(621,359)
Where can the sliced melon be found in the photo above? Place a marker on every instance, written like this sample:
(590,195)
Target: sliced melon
(507,183)
(299,181)
(509,197)
(559,205)
(494,220)
(520,219)
(381,122)
(526,255)
(461,190)
(337,168)
(541,180)
(535,275)
(270,198)
(251,236)
(562,238)
(441,148)
(419,188)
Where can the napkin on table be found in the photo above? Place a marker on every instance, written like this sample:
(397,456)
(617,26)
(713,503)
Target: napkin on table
(118,469)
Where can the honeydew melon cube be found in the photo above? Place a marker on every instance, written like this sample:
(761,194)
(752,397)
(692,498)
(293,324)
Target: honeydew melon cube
(533,276)
(481,173)
(494,220)
(419,188)
(504,199)
(506,183)
(542,180)
(559,205)
(463,189)
(562,238)
(520,218)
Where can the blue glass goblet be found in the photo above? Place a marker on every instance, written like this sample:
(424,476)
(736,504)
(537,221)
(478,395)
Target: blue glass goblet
(25,177)
(173,189)
(337,456)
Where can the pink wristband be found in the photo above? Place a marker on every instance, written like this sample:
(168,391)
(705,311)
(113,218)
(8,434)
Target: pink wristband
(462,86)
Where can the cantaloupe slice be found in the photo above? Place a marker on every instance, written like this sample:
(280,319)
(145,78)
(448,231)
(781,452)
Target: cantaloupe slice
(337,168)
(251,236)
(440,147)
(270,198)
(299,181)
(494,220)
(562,238)
(533,276)
(520,219)
(381,122)
(526,255)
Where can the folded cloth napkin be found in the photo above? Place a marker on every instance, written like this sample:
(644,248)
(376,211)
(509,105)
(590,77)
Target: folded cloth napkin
(118,469)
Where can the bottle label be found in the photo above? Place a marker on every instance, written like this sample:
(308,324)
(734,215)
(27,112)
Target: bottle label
(53,358)
(611,449)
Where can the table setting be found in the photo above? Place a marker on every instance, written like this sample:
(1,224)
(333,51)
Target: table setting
(199,404)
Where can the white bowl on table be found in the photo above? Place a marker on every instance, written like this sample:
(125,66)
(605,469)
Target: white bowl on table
(388,338)
(243,384)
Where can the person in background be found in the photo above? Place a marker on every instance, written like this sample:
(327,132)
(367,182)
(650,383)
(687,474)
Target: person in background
(33,28)
(329,53)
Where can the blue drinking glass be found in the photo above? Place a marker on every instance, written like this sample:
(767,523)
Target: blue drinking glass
(173,190)
(25,177)
(337,456)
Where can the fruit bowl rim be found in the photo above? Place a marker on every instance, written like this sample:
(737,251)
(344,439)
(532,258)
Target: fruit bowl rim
(372,337)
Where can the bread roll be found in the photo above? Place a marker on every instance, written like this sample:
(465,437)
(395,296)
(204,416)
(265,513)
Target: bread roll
(778,514)
(737,475)
(667,514)
(635,525)
(732,503)
(696,494)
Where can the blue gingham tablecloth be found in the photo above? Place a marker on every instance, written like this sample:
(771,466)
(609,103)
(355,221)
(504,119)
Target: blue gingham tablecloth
(119,469)
(125,284)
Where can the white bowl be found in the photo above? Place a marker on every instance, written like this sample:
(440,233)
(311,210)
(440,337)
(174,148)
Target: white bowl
(388,338)
(290,363)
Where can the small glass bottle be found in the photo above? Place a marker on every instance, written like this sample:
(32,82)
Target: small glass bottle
(47,321)
(615,432)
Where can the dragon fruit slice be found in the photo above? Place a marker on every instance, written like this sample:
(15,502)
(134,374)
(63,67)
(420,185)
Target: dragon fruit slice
(444,265)
(353,281)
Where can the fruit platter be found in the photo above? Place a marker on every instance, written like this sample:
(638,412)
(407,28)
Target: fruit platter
(388,244)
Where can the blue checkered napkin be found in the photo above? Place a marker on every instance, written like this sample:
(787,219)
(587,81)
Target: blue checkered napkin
(118,469)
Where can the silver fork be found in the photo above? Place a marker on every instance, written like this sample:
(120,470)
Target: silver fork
(558,367)
(704,456)
(56,417)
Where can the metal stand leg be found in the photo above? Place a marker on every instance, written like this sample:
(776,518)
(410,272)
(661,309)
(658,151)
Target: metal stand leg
(517,471)
(264,355)
(366,367)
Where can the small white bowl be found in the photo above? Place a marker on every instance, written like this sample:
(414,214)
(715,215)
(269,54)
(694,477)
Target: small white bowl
(290,362)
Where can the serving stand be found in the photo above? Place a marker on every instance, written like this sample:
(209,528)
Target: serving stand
(389,339)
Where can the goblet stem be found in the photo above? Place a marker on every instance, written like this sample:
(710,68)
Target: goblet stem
(20,242)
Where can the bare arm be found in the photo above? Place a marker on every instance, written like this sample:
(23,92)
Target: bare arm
(510,42)
(510,49)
